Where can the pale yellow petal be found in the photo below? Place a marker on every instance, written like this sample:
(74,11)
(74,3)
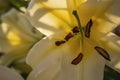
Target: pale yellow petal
(107,22)
(87,67)
(17,36)
(9,74)
(47,68)
(16,24)
(49,16)
(57,68)
(55,61)
(12,53)
(3,40)
(88,8)
(112,45)
(41,50)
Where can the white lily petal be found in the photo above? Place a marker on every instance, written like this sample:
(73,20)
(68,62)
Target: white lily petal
(49,16)
(3,40)
(87,67)
(49,48)
(17,36)
(13,53)
(112,45)
(114,12)
(9,74)
(19,24)
(57,59)
(40,51)
(107,21)
(93,67)
(88,8)
(112,15)
(53,71)
(115,58)
(55,62)
(49,66)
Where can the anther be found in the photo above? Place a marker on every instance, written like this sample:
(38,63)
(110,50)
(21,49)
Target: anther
(78,59)
(68,36)
(117,30)
(58,43)
(75,29)
(103,53)
(88,28)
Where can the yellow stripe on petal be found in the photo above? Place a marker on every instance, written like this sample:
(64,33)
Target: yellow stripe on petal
(49,16)
(54,3)
(107,21)
(93,8)
(78,2)
(13,38)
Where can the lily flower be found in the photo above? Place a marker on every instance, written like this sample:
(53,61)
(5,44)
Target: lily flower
(78,42)
(17,36)
(9,74)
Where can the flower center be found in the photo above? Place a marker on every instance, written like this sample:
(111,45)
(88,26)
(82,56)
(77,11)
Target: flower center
(87,31)
(83,32)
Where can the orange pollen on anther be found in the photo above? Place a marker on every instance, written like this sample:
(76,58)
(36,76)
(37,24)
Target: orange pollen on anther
(68,36)
(78,59)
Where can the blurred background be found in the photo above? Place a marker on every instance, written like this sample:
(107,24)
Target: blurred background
(6,5)
(21,5)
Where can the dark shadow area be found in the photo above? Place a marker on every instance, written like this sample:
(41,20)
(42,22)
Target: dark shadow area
(110,74)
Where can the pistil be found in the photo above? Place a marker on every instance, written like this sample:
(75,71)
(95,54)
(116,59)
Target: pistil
(78,20)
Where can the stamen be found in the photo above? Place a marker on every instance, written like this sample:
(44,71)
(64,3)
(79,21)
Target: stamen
(103,53)
(75,30)
(78,59)
(68,36)
(117,30)
(58,43)
(88,28)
